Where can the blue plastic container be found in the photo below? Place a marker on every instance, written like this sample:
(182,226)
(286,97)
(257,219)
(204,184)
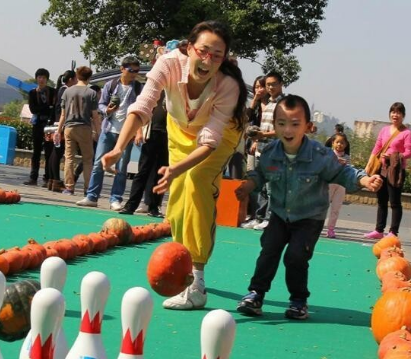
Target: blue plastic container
(8,139)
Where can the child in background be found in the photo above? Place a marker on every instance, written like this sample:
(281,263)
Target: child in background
(299,171)
(337,192)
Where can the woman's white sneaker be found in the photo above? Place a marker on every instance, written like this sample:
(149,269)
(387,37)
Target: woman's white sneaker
(191,298)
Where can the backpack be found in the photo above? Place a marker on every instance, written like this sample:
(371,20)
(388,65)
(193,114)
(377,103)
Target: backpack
(137,86)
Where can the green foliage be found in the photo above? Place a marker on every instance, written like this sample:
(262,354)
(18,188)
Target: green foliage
(287,65)
(115,28)
(24,132)
(13,109)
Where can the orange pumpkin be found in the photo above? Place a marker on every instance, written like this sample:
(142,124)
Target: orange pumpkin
(391,312)
(138,234)
(112,238)
(15,260)
(393,339)
(33,244)
(99,242)
(169,269)
(398,353)
(392,275)
(395,284)
(4,264)
(84,243)
(394,264)
(2,196)
(391,252)
(386,242)
(121,228)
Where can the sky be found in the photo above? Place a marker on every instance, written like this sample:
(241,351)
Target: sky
(358,67)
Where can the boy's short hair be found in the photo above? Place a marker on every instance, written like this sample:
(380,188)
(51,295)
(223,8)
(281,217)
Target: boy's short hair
(291,102)
(130,60)
(84,73)
(42,72)
(275,74)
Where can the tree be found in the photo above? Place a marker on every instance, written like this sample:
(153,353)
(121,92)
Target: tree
(13,109)
(115,28)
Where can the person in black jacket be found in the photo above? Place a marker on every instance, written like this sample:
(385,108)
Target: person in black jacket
(41,103)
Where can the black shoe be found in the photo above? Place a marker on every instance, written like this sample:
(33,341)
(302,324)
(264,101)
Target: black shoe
(30,182)
(251,304)
(125,211)
(297,310)
(155,213)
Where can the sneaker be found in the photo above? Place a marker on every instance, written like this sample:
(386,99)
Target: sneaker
(392,234)
(125,210)
(251,304)
(155,213)
(116,206)
(250,224)
(297,310)
(85,202)
(374,235)
(261,226)
(68,192)
(330,233)
(191,298)
(30,182)
(142,208)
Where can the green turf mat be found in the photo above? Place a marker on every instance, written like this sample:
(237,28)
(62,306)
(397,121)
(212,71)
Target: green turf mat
(342,282)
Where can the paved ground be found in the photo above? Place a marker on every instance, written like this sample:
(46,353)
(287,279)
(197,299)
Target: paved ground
(354,221)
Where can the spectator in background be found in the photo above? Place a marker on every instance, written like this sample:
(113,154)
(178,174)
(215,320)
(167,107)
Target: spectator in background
(41,103)
(264,136)
(64,81)
(117,95)
(96,130)
(154,155)
(338,129)
(399,151)
(78,110)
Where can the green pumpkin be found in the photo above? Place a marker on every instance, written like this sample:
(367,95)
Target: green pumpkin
(15,311)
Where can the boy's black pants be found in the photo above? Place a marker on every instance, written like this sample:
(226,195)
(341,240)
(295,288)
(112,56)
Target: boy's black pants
(299,238)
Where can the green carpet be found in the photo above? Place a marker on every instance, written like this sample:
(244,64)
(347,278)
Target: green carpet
(342,282)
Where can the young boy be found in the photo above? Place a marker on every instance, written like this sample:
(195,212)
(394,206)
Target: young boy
(299,171)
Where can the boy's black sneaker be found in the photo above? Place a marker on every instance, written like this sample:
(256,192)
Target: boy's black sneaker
(251,304)
(297,310)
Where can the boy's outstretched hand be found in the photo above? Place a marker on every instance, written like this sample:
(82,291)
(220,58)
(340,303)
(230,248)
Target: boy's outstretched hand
(372,183)
(245,188)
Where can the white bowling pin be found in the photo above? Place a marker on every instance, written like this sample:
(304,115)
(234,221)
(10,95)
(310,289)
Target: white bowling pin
(2,291)
(46,315)
(136,310)
(95,288)
(53,274)
(217,335)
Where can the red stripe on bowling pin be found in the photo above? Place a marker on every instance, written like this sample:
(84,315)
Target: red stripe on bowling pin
(91,326)
(133,347)
(136,310)
(217,335)
(95,289)
(45,351)
(47,312)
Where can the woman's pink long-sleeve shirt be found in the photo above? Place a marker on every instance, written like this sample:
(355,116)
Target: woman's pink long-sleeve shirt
(170,73)
(401,143)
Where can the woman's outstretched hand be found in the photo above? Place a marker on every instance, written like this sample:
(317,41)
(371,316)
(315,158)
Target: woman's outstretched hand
(110,159)
(165,181)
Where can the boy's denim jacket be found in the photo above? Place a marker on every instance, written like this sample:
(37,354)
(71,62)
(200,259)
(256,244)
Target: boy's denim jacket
(299,188)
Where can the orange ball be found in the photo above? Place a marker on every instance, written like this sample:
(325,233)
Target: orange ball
(169,269)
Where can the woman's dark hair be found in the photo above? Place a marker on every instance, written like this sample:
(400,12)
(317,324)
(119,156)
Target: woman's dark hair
(398,106)
(290,102)
(260,80)
(64,78)
(226,67)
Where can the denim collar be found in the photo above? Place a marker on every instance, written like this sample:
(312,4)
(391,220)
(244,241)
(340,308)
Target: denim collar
(304,154)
